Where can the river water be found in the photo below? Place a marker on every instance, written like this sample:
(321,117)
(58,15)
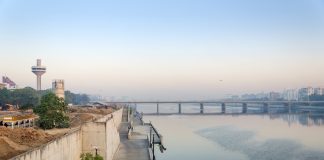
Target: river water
(276,135)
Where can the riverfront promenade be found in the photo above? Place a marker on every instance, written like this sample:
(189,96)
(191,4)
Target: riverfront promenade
(136,147)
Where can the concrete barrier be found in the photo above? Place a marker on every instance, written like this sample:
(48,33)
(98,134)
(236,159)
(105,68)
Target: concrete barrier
(113,140)
(65,147)
(101,134)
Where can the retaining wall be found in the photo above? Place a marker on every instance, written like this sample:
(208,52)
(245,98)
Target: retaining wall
(67,147)
(102,134)
(112,135)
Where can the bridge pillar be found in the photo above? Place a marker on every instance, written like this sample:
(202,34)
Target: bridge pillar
(244,108)
(265,107)
(223,107)
(201,108)
(179,109)
(157,109)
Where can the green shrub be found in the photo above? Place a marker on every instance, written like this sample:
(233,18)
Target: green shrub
(89,156)
(51,112)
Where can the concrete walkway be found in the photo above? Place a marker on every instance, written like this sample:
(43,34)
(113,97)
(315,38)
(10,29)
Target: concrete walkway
(135,148)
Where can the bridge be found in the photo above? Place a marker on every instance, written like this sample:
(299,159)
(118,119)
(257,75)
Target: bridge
(265,105)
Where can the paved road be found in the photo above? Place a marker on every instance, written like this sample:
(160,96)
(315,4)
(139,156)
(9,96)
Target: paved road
(135,148)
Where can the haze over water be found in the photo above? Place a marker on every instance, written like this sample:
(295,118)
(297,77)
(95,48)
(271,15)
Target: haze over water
(273,136)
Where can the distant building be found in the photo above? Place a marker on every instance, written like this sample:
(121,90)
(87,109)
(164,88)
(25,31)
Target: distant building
(58,88)
(96,98)
(273,96)
(258,96)
(290,95)
(304,93)
(318,91)
(248,96)
(261,95)
(231,97)
(235,97)
(9,84)
(2,85)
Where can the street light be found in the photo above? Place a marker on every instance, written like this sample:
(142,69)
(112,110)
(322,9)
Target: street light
(96,148)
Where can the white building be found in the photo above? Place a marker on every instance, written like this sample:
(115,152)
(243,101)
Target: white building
(2,85)
(58,88)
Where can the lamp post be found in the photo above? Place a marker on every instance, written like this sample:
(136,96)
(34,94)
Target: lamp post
(96,148)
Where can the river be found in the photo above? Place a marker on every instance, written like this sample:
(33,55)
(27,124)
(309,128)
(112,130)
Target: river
(275,135)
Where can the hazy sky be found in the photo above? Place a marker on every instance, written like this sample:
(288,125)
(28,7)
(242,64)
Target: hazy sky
(165,49)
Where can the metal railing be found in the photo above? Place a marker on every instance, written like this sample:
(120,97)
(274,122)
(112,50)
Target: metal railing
(155,139)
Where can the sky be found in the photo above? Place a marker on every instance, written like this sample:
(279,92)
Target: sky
(164,49)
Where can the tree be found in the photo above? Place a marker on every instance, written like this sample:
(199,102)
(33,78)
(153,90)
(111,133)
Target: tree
(52,112)
(89,156)
(4,96)
(27,97)
(77,99)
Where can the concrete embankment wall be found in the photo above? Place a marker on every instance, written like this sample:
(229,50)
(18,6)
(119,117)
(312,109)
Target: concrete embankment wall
(113,139)
(102,134)
(66,147)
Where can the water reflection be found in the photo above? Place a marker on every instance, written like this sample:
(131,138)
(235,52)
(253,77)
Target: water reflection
(303,119)
(279,134)
(304,115)
(243,140)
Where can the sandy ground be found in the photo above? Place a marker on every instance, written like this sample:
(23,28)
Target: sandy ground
(18,140)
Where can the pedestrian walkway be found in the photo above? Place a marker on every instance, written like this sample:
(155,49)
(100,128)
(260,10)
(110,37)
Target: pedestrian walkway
(135,148)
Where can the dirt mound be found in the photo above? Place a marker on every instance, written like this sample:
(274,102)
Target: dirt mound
(8,148)
(77,119)
(99,111)
(17,140)
(11,144)
(27,136)
(6,151)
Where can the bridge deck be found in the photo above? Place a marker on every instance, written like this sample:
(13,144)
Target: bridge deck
(218,102)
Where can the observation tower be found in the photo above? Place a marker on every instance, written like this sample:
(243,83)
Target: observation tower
(39,70)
